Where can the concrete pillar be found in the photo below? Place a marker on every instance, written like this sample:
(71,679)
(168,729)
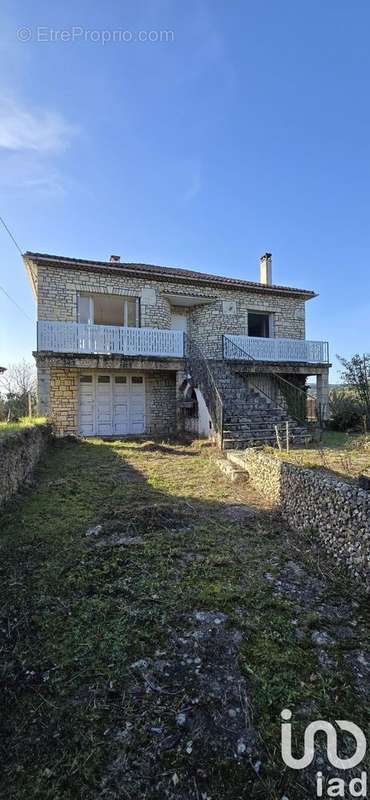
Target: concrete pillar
(180,378)
(322,394)
(42,390)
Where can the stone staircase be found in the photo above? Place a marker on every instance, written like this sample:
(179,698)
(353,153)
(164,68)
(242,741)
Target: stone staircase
(250,415)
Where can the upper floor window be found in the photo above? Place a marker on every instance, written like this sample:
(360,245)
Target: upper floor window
(109,309)
(259,324)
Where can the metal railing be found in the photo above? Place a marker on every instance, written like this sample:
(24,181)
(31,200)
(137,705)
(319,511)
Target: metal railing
(298,403)
(200,371)
(273,349)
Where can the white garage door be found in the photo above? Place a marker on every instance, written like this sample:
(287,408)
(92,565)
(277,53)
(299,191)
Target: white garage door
(111,404)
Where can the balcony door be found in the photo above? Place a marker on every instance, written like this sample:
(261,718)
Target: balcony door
(179,320)
(109,309)
(259,324)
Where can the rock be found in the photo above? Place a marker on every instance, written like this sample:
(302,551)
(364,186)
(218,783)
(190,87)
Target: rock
(241,747)
(141,664)
(95,531)
(325,661)
(322,638)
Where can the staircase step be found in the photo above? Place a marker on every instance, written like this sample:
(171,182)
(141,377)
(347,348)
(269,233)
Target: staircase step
(250,416)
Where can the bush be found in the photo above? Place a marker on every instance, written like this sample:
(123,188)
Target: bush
(345,411)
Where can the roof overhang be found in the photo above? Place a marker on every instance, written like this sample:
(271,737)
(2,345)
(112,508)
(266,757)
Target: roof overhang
(153,272)
(187,300)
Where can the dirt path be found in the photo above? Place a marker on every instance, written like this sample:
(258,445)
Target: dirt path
(155,621)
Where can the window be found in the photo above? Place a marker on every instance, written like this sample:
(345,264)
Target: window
(85,378)
(120,379)
(258,324)
(103,379)
(109,309)
(136,379)
(85,309)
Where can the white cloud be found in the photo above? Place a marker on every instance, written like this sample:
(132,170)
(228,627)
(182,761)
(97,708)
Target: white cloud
(21,173)
(37,130)
(30,143)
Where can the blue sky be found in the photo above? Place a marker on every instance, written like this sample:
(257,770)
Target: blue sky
(248,130)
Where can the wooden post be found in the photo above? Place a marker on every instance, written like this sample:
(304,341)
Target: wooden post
(29,404)
(277,434)
(287,435)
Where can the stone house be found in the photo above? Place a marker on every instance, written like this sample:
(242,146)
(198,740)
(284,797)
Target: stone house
(140,349)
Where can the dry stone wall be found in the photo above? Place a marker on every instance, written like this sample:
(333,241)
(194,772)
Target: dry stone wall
(336,511)
(19,454)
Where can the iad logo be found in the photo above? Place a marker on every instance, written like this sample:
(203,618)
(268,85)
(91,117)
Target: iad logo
(335,787)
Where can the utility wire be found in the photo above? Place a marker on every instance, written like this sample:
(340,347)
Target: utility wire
(15,303)
(11,236)
(20,251)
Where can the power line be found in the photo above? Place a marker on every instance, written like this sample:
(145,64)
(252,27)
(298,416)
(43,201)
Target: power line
(15,303)
(11,235)
(1,287)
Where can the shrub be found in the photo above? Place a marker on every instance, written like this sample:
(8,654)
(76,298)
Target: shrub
(345,411)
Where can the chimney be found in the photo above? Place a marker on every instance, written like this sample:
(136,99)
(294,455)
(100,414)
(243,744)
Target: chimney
(266,269)
(115,259)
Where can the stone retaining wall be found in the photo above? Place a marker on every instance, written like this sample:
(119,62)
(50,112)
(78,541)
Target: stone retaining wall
(19,454)
(338,512)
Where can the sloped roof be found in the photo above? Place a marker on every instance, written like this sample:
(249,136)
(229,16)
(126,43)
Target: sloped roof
(153,272)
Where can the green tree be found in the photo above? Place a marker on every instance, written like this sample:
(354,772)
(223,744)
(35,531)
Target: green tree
(356,374)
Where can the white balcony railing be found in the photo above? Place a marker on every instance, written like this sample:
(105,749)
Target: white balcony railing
(76,337)
(261,349)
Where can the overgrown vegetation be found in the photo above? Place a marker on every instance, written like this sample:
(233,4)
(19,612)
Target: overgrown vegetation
(345,411)
(340,453)
(356,375)
(118,569)
(7,428)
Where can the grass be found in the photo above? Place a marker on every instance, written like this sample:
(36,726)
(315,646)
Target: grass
(25,422)
(342,454)
(79,719)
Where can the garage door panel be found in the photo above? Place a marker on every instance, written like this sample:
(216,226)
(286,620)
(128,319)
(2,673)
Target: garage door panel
(137,410)
(103,405)
(137,413)
(121,404)
(86,405)
(111,405)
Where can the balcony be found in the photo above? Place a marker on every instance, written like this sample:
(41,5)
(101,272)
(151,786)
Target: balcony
(77,337)
(258,348)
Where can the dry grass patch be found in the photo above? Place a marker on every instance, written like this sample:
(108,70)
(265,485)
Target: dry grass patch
(340,454)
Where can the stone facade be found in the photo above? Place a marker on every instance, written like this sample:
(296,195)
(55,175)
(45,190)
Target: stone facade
(19,454)
(207,322)
(160,403)
(338,513)
(63,400)
(227,312)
